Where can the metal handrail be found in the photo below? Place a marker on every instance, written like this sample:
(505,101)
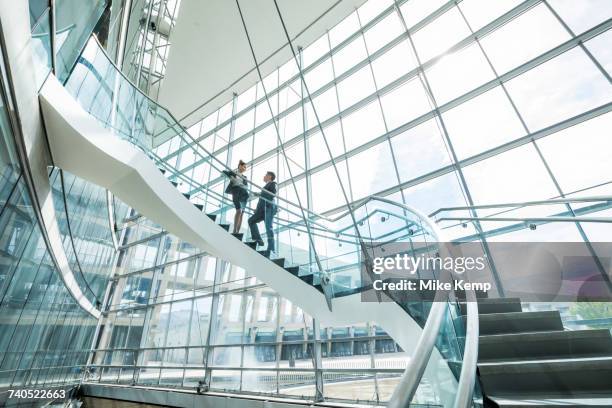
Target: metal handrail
(524,204)
(527,219)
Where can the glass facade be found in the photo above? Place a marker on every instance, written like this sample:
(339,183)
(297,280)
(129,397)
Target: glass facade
(430,103)
(176,316)
(82,213)
(45,336)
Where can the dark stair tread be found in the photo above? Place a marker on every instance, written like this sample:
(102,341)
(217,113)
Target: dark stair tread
(309,279)
(545,345)
(519,322)
(536,401)
(319,288)
(238,235)
(163,171)
(212,216)
(460,293)
(174,183)
(495,305)
(294,270)
(199,206)
(279,261)
(251,244)
(558,377)
(225,226)
(265,253)
(187,195)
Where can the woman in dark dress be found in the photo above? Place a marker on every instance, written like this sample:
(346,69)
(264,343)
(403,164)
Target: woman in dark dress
(240,193)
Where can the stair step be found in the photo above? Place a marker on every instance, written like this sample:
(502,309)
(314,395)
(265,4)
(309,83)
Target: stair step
(549,378)
(519,322)
(187,195)
(319,287)
(265,253)
(539,401)
(460,293)
(496,305)
(309,279)
(251,244)
(225,226)
(280,262)
(174,183)
(199,206)
(294,270)
(212,216)
(163,171)
(238,235)
(545,345)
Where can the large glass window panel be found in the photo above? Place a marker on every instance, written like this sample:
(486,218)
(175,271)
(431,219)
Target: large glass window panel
(516,175)
(242,151)
(270,83)
(295,158)
(481,12)
(229,319)
(582,15)
(158,325)
(482,123)
(290,95)
(37,8)
(179,327)
(344,29)
(262,111)
(292,124)
(566,86)
(405,103)
(458,73)
(244,122)
(416,10)
(315,50)
(524,38)
(265,140)
(41,48)
(318,76)
(318,152)
(74,21)
(326,190)
(601,50)
(287,71)
(394,63)
(363,125)
(246,98)
(225,112)
(420,150)
(579,156)
(383,32)
(372,171)
(371,9)
(439,35)
(209,123)
(349,56)
(9,164)
(326,106)
(356,87)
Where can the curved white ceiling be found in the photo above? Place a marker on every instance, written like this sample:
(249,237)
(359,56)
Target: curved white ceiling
(210,58)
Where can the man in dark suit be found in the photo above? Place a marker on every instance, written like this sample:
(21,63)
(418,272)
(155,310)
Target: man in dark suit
(265,210)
